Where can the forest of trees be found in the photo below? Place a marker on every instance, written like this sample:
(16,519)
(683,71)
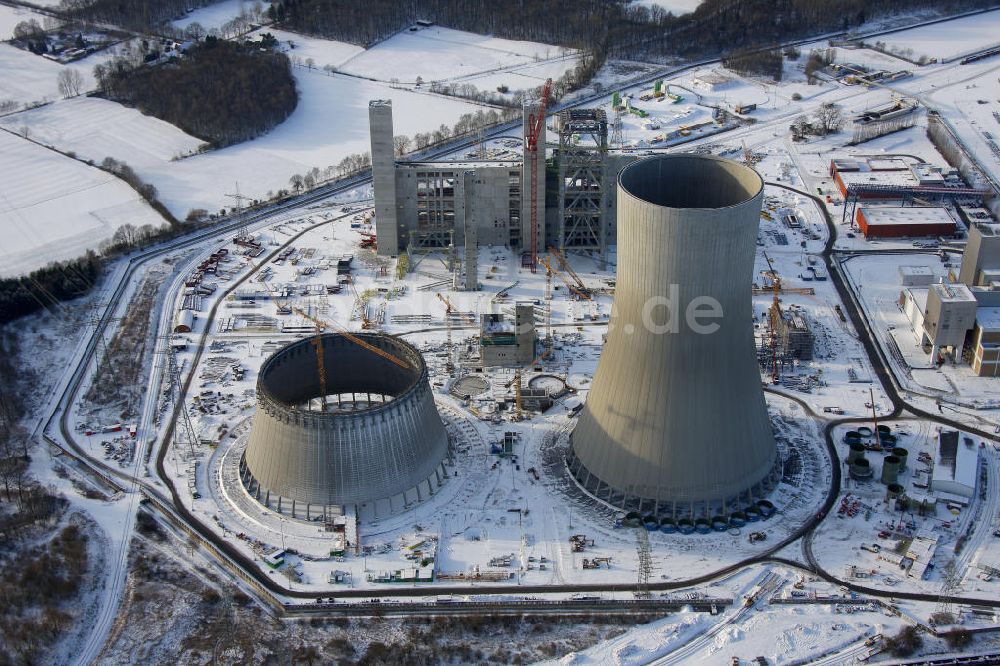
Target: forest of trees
(220,91)
(47,286)
(617,29)
(767,62)
(138,15)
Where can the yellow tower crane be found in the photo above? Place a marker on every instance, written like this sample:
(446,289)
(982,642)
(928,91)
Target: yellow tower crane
(564,264)
(569,285)
(775,316)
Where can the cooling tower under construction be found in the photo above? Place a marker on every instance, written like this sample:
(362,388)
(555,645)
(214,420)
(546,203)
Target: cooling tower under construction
(675,422)
(377,447)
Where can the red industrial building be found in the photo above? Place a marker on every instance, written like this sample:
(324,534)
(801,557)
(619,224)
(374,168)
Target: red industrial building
(892,172)
(905,222)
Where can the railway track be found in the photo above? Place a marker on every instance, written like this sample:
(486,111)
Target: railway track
(170,508)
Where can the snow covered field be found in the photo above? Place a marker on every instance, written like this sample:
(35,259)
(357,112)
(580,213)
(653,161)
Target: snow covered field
(218,14)
(31,78)
(331,121)
(323,52)
(11,16)
(53,207)
(948,40)
(677,7)
(96,128)
(443,54)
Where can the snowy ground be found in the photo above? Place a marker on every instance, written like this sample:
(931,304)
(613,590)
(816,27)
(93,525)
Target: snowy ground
(216,15)
(330,122)
(973,107)
(443,54)
(11,16)
(323,52)
(948,40)
(875,279)
(30,78)
(53,207)
(677,7)
(487,487)
(96,128)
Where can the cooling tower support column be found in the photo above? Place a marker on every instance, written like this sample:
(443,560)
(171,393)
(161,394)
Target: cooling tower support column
(675,422)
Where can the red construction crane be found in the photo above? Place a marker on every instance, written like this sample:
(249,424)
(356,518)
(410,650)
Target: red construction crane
(535,125)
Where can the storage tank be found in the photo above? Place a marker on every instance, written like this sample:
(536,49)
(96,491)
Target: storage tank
(378,447)
(856,451)
(766,507)
(902,454)
(890,469)
(861,469)
(675,418)
(893,492)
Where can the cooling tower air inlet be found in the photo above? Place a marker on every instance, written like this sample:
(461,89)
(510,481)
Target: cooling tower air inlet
(675,422)
(378,447)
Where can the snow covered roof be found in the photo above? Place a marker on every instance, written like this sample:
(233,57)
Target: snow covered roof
(988,318)
(909,215)
(953,293)
(898,178)
(957,461)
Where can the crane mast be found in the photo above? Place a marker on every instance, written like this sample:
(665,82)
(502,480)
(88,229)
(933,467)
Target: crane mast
(535,125)
(775,316)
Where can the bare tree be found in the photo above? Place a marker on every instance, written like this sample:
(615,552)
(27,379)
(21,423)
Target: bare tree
(297,182)
(401,144)
(195,31)
(829,118)
(70,82)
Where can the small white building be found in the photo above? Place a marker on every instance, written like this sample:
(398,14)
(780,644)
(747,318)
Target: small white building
(711,81)
(916,276)
(956,467)
(914,302)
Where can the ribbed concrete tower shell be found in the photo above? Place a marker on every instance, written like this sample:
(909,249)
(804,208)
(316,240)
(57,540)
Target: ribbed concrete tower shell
(675,421)
(379,458)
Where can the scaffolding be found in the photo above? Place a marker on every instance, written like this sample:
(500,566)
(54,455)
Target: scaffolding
(583,149)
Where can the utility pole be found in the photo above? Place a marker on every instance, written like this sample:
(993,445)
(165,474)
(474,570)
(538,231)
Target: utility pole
(645,563)
(878,438)
(239,198)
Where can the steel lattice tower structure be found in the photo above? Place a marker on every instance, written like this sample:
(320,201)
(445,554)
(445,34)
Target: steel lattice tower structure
(583,151)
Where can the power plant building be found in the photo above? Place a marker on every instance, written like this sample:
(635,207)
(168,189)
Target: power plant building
(378,446)
(956,467)
(675,422)
(426,205)
(508,342)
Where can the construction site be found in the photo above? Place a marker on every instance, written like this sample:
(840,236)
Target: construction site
(459,380)
(360,417)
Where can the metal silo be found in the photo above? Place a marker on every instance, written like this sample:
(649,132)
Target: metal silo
(890,469)
(378,447)
(902,454)
(675,421)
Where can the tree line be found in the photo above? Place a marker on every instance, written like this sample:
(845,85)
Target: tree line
(48,286)
(616,29)
(578,23)
(219,91)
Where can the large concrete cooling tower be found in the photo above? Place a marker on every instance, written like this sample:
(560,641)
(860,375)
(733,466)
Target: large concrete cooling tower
(675,422)
(378,447)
